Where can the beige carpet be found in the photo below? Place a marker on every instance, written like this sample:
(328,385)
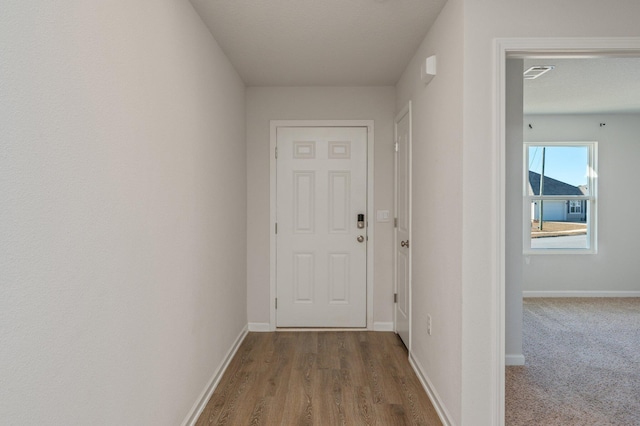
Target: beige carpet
(582,364)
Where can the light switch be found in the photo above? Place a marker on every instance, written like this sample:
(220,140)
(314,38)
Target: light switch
(382,215)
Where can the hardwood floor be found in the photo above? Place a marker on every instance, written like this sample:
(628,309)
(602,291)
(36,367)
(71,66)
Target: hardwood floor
(320,378)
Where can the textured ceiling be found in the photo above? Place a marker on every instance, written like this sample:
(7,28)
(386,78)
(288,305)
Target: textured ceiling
(319,42)
(596,85)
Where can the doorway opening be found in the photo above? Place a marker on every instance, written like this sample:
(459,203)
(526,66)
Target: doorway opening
(508,296)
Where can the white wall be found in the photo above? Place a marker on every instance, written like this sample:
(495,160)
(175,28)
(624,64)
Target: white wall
(484,21)
(437,200)
(513,206)
(615,266)
(122,213)
(316,103)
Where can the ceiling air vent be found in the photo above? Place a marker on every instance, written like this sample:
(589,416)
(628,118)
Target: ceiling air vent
(536,71)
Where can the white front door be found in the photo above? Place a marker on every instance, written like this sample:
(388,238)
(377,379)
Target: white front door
(321,250)
(403,226)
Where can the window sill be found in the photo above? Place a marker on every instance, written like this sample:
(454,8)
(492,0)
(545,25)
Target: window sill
(537,252)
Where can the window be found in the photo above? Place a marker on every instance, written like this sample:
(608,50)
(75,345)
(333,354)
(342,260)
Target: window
(560,197)
(575,206)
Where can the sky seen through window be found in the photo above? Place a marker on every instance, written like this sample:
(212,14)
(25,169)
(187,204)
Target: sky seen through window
(567,164)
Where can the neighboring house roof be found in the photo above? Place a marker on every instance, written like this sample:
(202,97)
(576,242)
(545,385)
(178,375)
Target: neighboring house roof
(584,189)
(552,186)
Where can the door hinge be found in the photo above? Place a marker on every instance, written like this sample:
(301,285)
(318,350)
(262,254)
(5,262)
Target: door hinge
(395,297)
(276,303)
(396,147)
(276,228)
(276,152)
(395,222)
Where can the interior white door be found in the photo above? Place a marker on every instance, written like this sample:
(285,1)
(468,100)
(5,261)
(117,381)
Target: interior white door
(403,226)
(321,250)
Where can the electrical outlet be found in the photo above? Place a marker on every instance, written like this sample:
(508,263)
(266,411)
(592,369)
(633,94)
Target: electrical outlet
(429,325)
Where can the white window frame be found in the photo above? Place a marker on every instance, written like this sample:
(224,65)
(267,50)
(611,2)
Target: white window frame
(591,198)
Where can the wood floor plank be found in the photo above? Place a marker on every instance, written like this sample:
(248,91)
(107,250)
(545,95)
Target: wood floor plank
(365,413)
(252,405)
(320,378)
(229,384)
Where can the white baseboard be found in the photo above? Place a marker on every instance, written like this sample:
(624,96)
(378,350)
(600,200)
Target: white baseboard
(383,326)
(578,293)
(260,327)
(204,397)
(514,359)
(445,418)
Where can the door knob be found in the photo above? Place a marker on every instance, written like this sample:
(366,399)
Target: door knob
(404,244)
(360,238)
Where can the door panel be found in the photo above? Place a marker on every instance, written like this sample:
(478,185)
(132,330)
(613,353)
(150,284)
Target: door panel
(303,277)
(303,202)
(339,278)
(339,200)
(321,190)
(403,228)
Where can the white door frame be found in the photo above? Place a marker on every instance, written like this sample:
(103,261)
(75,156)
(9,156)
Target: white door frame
(274,124)
(515,47)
